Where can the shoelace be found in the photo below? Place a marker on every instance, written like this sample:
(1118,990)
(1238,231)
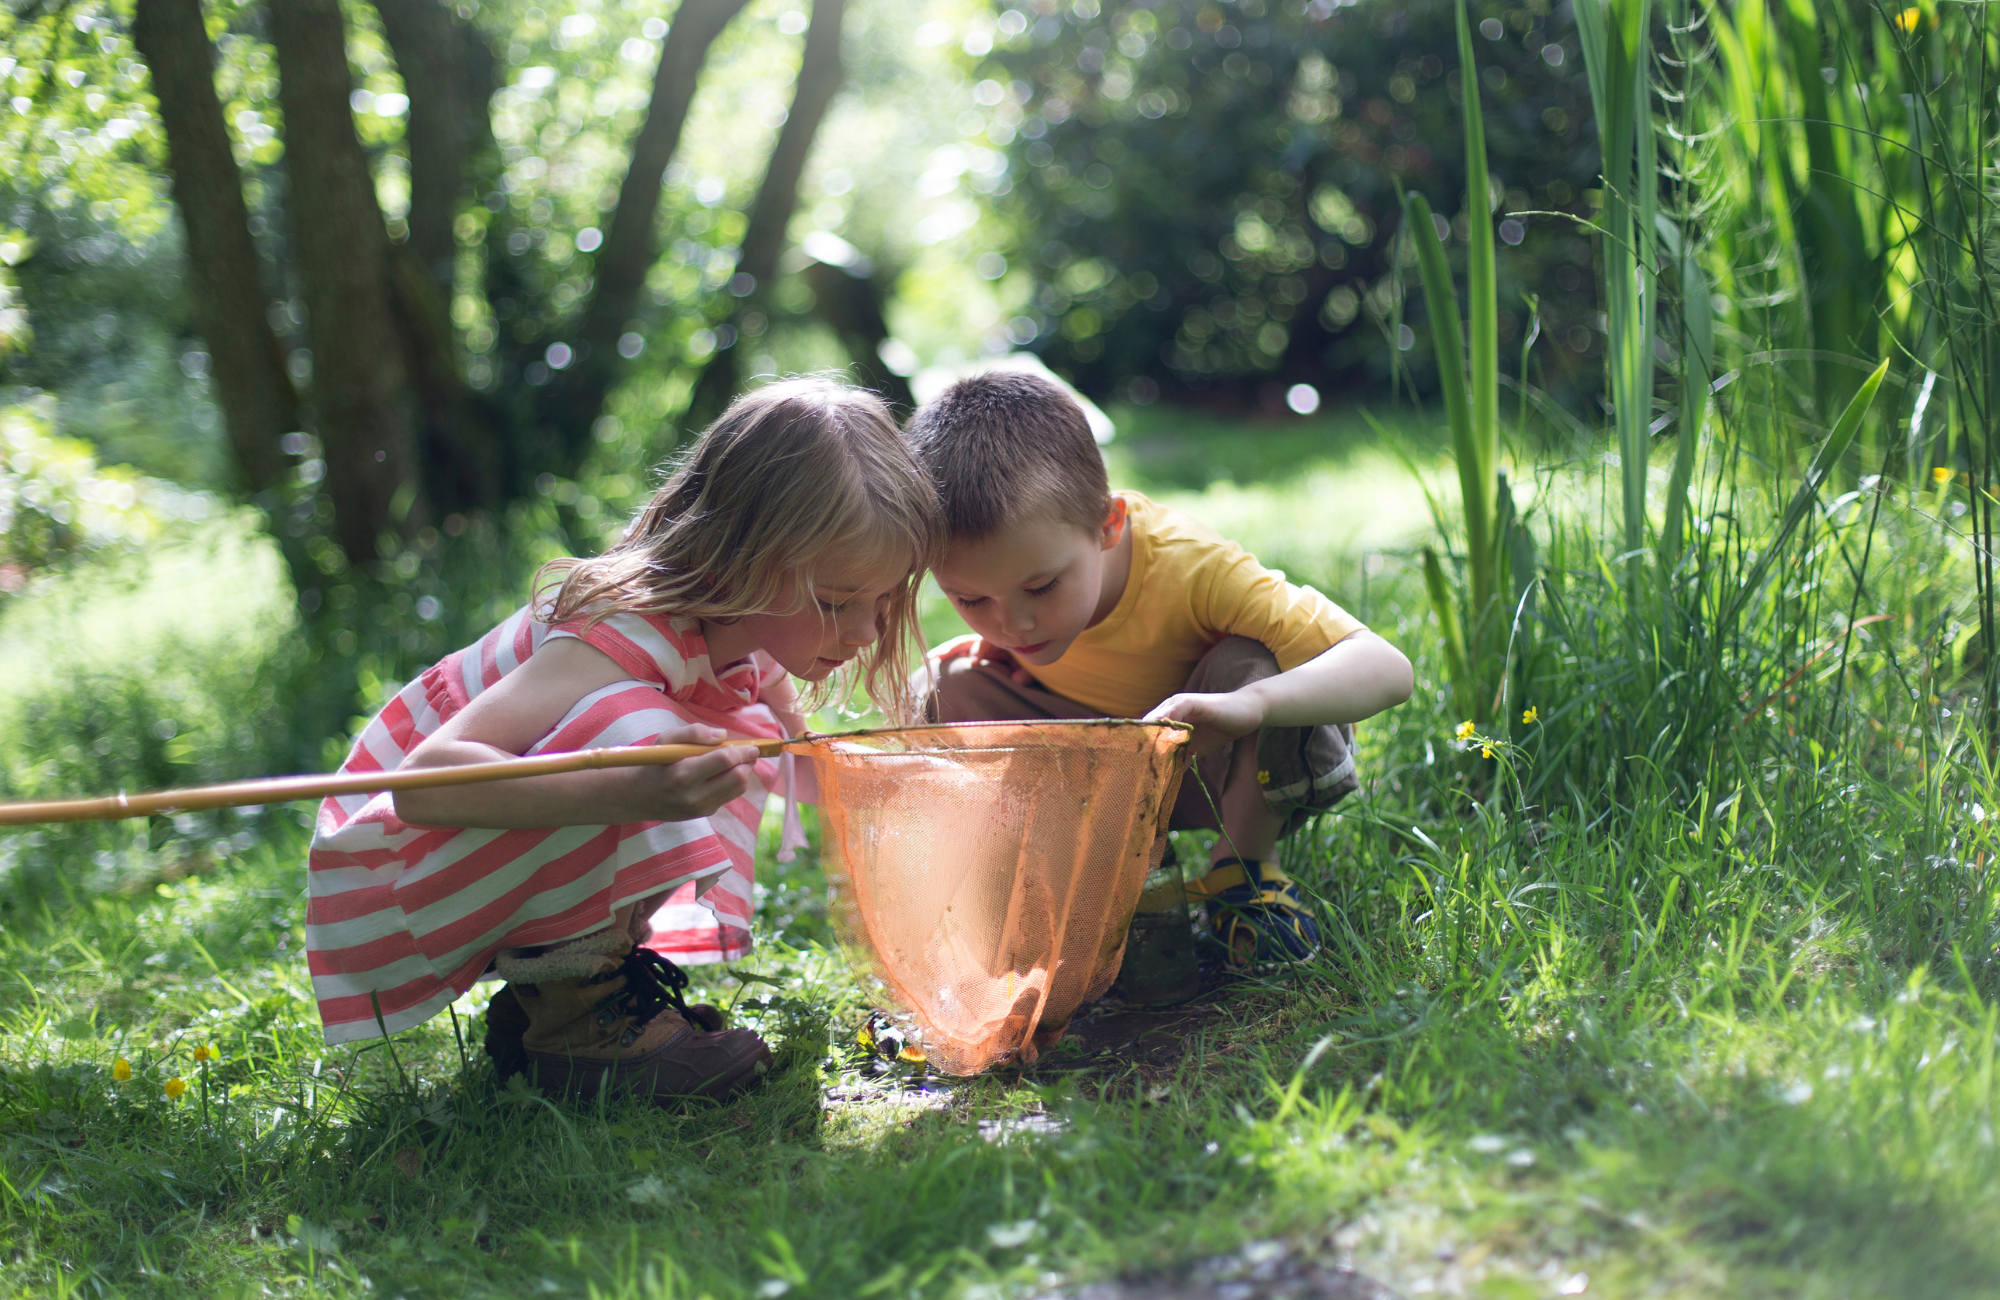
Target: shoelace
(652,984)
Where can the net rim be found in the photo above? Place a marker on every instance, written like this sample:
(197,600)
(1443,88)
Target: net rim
(1184,730)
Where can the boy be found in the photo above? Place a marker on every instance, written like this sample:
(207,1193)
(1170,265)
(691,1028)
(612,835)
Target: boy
(1088,603)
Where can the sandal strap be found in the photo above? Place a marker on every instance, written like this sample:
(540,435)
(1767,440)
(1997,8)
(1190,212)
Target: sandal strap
(1229,873)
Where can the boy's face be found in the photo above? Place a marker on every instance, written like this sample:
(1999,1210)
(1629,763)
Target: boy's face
(1032,587)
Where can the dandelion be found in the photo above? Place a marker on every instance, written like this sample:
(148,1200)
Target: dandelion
(1907,20)
(1530,715)
(175,1087)
(204,1053)
(121,1070)
(1465,730)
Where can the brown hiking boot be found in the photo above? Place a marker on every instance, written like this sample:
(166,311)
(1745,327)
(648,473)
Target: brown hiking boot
(600,1012)
(507,1024)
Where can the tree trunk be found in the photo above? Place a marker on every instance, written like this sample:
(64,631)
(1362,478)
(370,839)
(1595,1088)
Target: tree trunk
(851,303)
(462,442)
(425,38)
(360,386)
(247,365)
(820,75)
(575,398)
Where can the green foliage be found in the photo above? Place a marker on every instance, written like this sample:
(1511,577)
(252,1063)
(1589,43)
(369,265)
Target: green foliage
(1617,44)
(1208,194)
(1479,634)
(57,503)
(1740,1043)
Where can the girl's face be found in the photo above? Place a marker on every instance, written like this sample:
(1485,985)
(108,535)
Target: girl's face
(813,631)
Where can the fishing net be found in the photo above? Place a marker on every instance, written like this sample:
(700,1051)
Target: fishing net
(986,872)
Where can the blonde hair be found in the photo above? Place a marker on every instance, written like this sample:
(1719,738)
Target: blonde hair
(788,472)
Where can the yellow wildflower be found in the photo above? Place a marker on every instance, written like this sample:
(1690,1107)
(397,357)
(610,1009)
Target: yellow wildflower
(1465,730)
(1530,714)
(1941,476)
(204,1053)
(1486,751)
(121,1070)
(175,1087)
(1907,20)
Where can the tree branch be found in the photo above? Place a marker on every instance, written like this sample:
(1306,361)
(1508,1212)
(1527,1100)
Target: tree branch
(575,397)
(820,74)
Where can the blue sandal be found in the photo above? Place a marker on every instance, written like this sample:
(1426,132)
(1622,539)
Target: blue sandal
(1265,921)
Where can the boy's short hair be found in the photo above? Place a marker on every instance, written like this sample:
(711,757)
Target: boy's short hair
(1006,446)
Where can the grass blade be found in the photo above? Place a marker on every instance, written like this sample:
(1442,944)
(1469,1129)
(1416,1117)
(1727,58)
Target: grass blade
(1830,452)
(1482,310)
(1448,343)
(1697,348)
(1463,690)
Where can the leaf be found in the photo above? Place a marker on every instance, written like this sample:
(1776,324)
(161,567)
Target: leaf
(1007,1236)
(1482,309)
(1844,431)
(1449,346)
(1462,686)
(1697,347)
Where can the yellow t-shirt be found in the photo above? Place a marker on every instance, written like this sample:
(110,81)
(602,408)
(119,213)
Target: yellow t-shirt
(1189,588)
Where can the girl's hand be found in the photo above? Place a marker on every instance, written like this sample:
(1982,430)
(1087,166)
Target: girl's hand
(1217,719)
(514,715)
(693,787)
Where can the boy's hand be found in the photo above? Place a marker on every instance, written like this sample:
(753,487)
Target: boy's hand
(1217,719)
(999,658)
(981,651)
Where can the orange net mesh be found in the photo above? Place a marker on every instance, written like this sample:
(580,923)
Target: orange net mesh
(986,872)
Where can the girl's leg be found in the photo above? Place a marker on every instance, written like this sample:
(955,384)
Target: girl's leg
(599,1011)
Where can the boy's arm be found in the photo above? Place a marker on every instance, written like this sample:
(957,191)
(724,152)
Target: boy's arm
(1356,679)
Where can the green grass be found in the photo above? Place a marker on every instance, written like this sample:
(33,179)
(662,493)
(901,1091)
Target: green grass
(1735,1042)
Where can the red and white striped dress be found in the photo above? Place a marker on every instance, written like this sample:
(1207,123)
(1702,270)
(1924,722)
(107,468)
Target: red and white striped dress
(413,915)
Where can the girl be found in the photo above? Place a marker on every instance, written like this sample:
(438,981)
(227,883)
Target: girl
(788,542)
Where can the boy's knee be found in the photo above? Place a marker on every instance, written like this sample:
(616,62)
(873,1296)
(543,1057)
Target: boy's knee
(1231,664)
(956,690)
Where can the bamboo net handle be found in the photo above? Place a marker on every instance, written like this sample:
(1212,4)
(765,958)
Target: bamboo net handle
(286,789)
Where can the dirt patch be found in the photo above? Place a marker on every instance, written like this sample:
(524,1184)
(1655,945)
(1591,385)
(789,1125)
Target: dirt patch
(1262,1270)
(1111,1032)
(1109,1036)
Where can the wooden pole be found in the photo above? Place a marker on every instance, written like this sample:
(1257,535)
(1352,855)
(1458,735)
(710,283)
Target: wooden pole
(286,789)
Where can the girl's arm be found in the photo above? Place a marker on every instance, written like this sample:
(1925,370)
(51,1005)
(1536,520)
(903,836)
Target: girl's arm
(523,707)
(1356,679)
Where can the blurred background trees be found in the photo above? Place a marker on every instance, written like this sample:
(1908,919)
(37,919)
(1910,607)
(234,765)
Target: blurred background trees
(393,292)
(1209,193)
(428,287)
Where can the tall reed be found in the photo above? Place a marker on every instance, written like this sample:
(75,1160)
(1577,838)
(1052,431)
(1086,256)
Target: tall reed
(1653,655)
(1473,620)
(1616,37)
